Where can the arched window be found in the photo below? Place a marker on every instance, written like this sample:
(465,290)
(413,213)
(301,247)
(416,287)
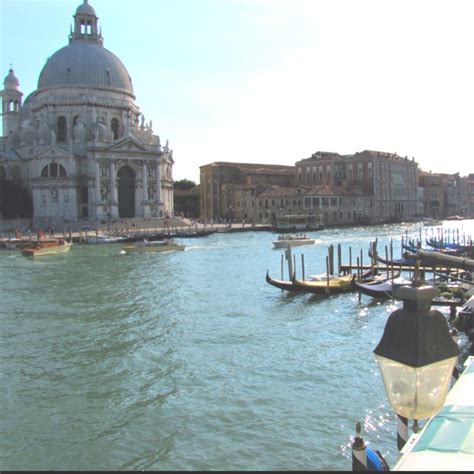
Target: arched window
(3,173)
(114,125)
(62,129)
(53,170)
(11,107)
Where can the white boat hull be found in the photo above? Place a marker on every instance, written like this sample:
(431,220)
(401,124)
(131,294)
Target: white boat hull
(292,243)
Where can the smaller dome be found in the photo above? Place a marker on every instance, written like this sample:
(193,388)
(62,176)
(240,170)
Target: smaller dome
(85,9)
(11,81)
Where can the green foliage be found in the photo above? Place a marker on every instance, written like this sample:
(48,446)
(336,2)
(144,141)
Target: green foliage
(184,184)
(459,293)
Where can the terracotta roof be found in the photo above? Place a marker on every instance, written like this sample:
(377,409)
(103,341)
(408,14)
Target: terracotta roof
(370,154)
(322,155)
(253,167)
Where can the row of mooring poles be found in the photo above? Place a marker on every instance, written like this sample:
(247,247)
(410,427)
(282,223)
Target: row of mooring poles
(291,259)
(449,235)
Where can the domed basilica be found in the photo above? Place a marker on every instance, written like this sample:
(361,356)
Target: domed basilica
(79,143)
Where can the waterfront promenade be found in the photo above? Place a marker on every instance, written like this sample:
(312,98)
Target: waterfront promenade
(120,227)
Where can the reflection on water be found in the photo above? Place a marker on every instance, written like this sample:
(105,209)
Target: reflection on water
(189,360)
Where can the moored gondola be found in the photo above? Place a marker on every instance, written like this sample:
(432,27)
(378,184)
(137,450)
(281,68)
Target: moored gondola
(383,289)
(406,261)
(316,285)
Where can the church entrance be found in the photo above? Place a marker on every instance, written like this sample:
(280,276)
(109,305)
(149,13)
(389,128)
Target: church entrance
(126,192)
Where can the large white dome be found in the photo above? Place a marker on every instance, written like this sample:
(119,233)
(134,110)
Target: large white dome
(85,64)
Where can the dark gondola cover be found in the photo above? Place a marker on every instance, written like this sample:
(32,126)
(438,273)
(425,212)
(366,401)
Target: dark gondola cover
(382,289)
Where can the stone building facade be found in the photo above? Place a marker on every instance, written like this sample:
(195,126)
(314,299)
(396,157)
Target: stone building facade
(369,186)
(220,181)
(456,195)
(433,194)
(392,180)
(79,143)
(328,204)
(470,192)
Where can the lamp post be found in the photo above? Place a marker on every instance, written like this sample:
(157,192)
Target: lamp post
(416,354)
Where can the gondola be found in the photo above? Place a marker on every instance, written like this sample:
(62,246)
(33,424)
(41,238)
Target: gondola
(316,285)
(449,248)
(168,235)
(396,262)
(383,289)
(193,234)
(374,277)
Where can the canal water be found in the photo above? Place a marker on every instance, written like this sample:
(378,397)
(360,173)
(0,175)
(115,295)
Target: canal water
(190,360)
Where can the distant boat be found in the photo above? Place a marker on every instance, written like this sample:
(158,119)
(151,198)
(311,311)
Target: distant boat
(316,285)
(193,233)
(296,223)
(102,239)
(47,247)
(432,222)
(14,244)
(153,246)
(293,240)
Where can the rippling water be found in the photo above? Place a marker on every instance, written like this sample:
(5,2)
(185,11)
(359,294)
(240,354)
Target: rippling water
(189,360)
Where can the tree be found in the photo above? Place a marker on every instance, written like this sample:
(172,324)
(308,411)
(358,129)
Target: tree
(184,185)
(15,200)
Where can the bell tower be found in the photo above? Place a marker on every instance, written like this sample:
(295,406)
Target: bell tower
(86,25)
(11,104)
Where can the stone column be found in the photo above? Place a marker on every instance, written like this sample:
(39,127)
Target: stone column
(146,205)
(113,186)
(145,182)
(98,197)
(158,187)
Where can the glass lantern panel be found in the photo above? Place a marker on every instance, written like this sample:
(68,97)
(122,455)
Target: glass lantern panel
(416,393)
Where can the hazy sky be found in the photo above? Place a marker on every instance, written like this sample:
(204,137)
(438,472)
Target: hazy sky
(273,81)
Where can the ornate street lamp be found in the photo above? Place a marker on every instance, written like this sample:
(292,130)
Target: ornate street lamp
(416,354)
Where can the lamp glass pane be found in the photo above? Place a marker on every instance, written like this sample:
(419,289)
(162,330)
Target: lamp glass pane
(416,393)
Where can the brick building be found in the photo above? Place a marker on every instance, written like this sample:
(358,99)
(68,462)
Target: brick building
(219,182)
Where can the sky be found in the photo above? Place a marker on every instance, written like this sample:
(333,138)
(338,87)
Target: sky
(274,81)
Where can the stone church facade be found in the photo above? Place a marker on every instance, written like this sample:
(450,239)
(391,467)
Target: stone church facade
(79,143)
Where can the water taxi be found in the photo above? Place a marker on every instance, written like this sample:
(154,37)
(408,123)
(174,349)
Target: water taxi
(284,241)
(47,247)
(153,246)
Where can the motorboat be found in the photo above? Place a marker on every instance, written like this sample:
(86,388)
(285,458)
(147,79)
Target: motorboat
(153,246)
(284,241)
(47,247)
